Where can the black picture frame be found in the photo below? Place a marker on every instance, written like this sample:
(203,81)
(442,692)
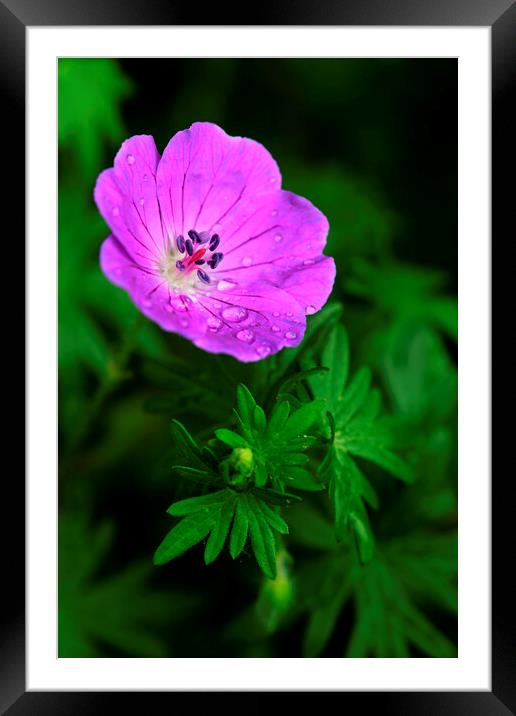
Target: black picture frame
(15,16)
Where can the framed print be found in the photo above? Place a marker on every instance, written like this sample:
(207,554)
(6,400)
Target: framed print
(258,369)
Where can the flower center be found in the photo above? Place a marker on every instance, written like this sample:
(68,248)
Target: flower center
(191,260)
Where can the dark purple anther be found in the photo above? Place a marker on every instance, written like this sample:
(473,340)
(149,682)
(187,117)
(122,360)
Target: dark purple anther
(215,260)
(180,266)
(214,242)
(203,276)
(180,243)
(194,236)
(199,262)
(189,247)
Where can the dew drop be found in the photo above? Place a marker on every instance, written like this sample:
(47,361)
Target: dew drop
(275,314)
(130,159)
(272,180)
(246,336)
(225,285)
(145,177)
(183,322)
(275,329)
(308,262)
(213,324)
(178,305)
(274,212)
(234,314)
(115,211)
(263,350)
(278,238)
(290,335)
(289,314)
(247,261)
(142,201)
(310,310)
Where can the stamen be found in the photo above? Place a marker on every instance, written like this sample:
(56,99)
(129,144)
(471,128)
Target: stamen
(203,276)
(189,246)
(215,260)
(180,243)
(194,236)
(180,266)
(214,242)
(200,262)
(203,237)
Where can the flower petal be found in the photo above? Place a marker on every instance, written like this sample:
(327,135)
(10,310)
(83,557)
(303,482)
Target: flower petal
(282,243)
(127,199)
(250,323)
(205,176)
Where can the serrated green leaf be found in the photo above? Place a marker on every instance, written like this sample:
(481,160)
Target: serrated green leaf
(262,539)
(354,396)
(230,438)
(278,419)
(220,530)
(184,535)
(273,518)
(240,527)
(303,419)
(245,404)
(197,504)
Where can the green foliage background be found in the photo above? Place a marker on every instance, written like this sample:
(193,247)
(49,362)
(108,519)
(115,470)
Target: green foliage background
(341,535)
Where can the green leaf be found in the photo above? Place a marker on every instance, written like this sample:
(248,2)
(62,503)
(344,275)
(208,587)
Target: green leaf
(262,539)
(245,404)
(184,535)
(230,438)
(300,421)
(196,504)
(278,419)
(273,518)
(336,357)
(220,531)
(355,396)
(240,527)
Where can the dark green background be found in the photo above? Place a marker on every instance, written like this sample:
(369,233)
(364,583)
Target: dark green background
(373,144)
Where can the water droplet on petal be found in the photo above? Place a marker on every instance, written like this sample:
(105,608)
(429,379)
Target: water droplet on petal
(130,159)
(272,180)
(310,310)
(289,314)
(247,261)
(275,329)
(308,262)
(263,350)
(184,322)
(278,238)
(146,303)
(276,314)
(169,308)
(142,201)
(214,324)
(225,285)
(115,211)
(234,314)
(246,336)
(290,335)
(145,177)
(274,212)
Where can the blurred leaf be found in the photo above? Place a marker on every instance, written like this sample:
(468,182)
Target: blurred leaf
(120,609)
(90,91)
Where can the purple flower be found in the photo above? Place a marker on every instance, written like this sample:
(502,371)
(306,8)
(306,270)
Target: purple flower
(208,245)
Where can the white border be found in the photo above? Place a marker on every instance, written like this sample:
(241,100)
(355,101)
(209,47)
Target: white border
(471,670)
